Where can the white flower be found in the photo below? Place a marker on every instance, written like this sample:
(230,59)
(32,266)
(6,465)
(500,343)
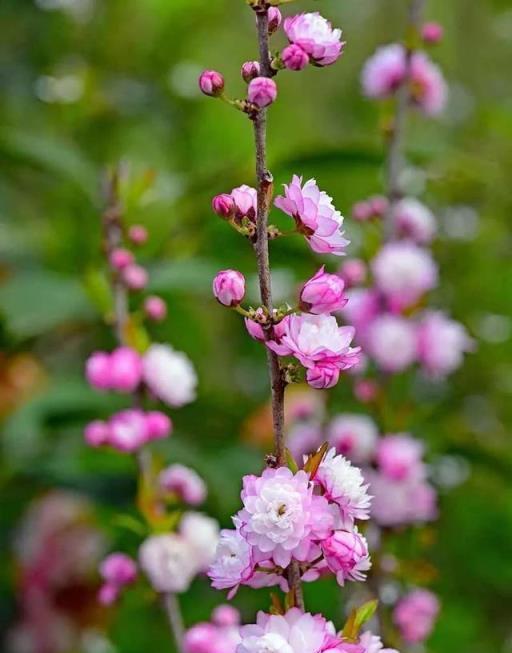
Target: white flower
(167,562)
(233,562)
(169,375)
(201,533)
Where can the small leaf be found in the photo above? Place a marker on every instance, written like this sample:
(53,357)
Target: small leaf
(135,335)
(357,618)
(290,461)
(315,459)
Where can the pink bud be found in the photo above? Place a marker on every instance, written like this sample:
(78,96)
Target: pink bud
(262,91)
(432,33)
(97,370)
(322,378)
(96,433)
(199,638)
(250,70)
(128,431)
(294,57)
(362,211)
(155,308)
(223,205)
(158,425)
(323,293)
(229,287)
(353,272)
(108,594)
(138,234)
(274,19)
(120,258)
(226,615)
(118,569)
(379,205)
(135,277)
(211,83)
(125,369)
(346,554)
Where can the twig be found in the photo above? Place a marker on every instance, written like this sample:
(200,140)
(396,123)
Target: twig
(173,612)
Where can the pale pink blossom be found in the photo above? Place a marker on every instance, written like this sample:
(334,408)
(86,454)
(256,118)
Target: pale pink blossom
(96,433)
(276,334)
(412,219)
(233,564)
(384,71)
(184,482)
(315,35)
(404,272)
(373,644)
(229,287)
(201,534)
(262,91)
(225,615)
(415,615)
(362,307)
(344,485)
(323,293)
(169,375)
(399,457)
(354,436)
(155,308)
(167,562)
(128,430)
(246,202)
(428,86)
(353,272)
(250,70)
(135,276)
(391,340)
(315,216)
(442,343)
(346,554)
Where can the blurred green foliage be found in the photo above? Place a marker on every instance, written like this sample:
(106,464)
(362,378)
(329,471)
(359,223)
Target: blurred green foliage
(116,79)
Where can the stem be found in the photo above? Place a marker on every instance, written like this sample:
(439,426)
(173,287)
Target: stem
(395,156)
(173,612)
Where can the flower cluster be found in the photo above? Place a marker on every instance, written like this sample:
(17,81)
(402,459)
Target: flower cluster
(304,517)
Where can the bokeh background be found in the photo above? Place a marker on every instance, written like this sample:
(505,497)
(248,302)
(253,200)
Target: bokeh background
(88,82)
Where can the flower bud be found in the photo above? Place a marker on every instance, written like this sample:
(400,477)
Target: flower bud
(185,483)
(275,19)
(158,425)
(96,433)
(108,594)
(294,57)
(346,554)
(223,205)
(226,615)
(135,277)
(353,272)
(229,287)
(97,370)
(118,569)
(323,293)
(138,234)
(250,70)
(125,369)
(432,33)
(262,91)
(120,258)
(211,83)
(155,308)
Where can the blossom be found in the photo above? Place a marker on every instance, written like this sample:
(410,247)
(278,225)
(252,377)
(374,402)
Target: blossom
(262,91)
(399,457)
(201,534)
(225,615)
(353,272)
(229,287)
(315,216)
(211,83)
(117,571)
(246,202)
(293,632)
(277,332)
(362,308)
(412,219)
(184,482)
(158,425)
(353,436)
(294,57)
(315,35)
(442,343)
(125,369)
(155,308)
(250,70)
(323,293)
(428,86)
(318,342)
(97,370)
(138,234)
(223,205)
(392,342)
(373,644)
(135,277)
(167,562)
(432,33)
(211,638)
(233,563)
(169,375)
(384,71)
(346,554)
(415,615)
(128,430)
(96,433)
(119,258)
(403,273)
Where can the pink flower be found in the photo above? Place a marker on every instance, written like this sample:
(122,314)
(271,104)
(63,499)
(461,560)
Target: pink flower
(323,293)
(250,70)
(384,71)
(322,377)
(128,430)
(135,276)
(412,219)
(432,33)
(155,308)
(344,485)
(346,554)
(120,258)
(429,89)
(403,273)
(125,369)
(256,332)
(315,216)
(97,370)
(391,341)
(362,211)
(233,564)
(318,343)
(211,83)
(262,91)
(363,306)
(138,234)
(96,433)
(353,436)
(229,287)
(353,272)
(294,632)
(315,35)
(442,343)
(169,375)
(158,425)
(294,57)
(185,483)
(399,457)
(246,202)
(223,205)
(119,569)
(415,615)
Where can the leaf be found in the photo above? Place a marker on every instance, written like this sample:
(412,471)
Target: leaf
(315,459)
(357,618)
(290,460)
